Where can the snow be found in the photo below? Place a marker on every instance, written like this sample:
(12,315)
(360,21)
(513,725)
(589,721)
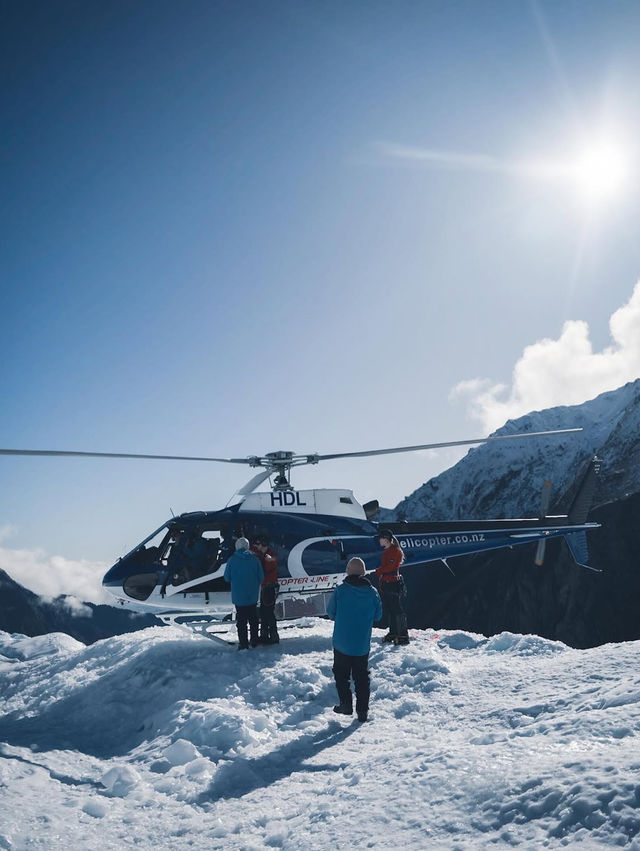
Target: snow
(505,479)
(21,647)
(167,741)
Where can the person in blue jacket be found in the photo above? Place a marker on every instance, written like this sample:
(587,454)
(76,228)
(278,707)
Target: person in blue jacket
(245,574)
(353,606)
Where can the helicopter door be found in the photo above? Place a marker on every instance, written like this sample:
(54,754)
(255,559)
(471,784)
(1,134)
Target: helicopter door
(195,554)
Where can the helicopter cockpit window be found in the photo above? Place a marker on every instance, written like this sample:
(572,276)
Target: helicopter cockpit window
(151,550)
(194,553)
(140,585)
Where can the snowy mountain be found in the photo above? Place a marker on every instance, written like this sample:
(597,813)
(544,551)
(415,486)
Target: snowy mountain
(157,740)
(504,590)
(24,612)
(506,478)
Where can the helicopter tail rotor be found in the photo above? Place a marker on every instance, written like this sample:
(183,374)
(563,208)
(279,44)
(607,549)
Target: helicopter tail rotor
(578,512)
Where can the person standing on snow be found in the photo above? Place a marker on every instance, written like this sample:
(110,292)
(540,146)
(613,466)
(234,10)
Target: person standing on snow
(268,592)
(245,574)
(353,606)
(392,589)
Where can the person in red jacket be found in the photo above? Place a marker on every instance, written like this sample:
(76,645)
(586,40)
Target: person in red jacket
(268,591)
(391,585)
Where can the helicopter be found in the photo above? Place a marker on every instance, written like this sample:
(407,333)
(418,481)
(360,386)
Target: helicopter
(177,572)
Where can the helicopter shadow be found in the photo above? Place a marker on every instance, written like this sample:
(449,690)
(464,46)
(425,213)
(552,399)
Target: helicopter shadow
(241,776)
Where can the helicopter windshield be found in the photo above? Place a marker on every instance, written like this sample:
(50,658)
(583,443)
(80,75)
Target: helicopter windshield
(188,552)
(139,571)
(172,556)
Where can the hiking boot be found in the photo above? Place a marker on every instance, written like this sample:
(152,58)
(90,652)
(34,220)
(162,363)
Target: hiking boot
(243,646)
(343,709)
(362,717)
(388,638)
(401,639)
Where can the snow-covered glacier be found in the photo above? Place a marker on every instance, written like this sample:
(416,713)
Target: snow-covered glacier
(160,740)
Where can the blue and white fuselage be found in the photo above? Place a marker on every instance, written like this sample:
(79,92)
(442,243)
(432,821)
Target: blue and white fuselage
(179,569)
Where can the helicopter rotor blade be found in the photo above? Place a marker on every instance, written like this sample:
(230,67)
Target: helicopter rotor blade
(57,452)
(274,461)
(443,445)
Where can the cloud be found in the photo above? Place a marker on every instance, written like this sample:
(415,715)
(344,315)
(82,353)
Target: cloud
(452,159)
(565,371)
(50,576)
(75,606)
(527,169)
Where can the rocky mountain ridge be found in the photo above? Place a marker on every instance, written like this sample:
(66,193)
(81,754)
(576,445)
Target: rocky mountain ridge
(505,479)
(23,612)
(504,590)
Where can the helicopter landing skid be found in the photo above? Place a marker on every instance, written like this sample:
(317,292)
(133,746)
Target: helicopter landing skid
(201,629)
(199,625)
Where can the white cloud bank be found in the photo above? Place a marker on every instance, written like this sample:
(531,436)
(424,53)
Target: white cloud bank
(565,371)
(50,576)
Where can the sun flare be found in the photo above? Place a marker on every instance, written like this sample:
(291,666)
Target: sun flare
(601,170)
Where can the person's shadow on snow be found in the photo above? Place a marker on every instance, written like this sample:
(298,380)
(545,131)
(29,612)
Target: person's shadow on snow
(237,778)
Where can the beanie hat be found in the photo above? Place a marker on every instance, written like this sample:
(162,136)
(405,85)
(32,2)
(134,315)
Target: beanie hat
(242,544)
(355,567)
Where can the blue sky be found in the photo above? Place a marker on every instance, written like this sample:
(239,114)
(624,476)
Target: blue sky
(230,228)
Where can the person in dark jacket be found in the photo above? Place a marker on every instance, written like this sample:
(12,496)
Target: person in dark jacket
(245,574)
(268,592)
(353,606)
(392,588)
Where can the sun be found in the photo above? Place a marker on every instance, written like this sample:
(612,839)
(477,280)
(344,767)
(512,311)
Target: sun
(601,170)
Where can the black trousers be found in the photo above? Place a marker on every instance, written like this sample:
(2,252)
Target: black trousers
(392,594)
(247,615)
(268,623)
(345,667)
